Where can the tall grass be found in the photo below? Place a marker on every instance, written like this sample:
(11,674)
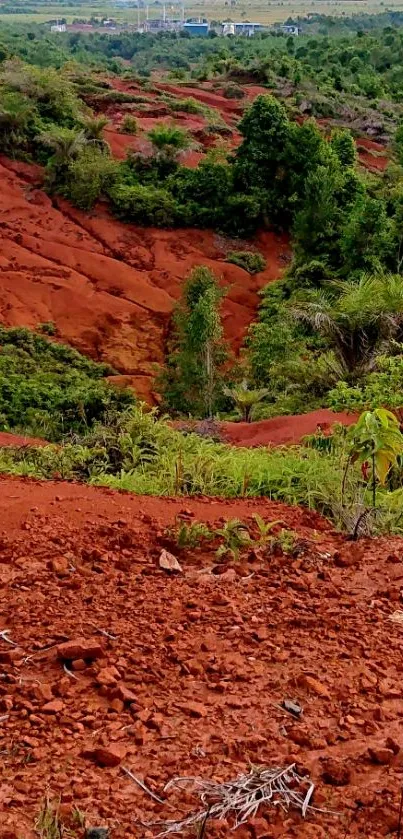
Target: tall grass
(145,455)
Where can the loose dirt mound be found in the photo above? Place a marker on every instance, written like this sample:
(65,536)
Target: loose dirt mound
(288,429)
(110,287)
(185,674)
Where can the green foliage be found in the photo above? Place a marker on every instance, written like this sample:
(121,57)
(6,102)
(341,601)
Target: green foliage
(383,387)
(129,125)
(49,389)
(357,323)
(91,175)
(251,261)
(142,454)
(235,535)
(190,535)
(65,145)
(233,91)
(94,131)
(344,146)
(144,205)
(245,399)
(376,438)
(169,140)
(191,382)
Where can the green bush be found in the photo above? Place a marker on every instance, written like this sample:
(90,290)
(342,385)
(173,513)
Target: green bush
(233,91)
(129,125)
(250,261)
(49,389)
(144,205)
(90,177)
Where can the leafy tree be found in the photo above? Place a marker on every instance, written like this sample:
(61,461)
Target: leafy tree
(168,140)
(191,382)
(66,144)
(93,130)
(366,239)
(16,119)
(90,175)
(357,323)
(344,146)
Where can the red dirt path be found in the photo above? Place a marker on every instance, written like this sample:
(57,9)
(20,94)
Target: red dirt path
(192,681)
(110,287)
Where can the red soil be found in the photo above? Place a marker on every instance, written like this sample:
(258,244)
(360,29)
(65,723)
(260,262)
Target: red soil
(110,287)
(213,100)
(279,430)
(7,439)
(120,143)
(192,680)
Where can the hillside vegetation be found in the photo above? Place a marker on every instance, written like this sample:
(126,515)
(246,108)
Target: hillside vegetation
(329,333)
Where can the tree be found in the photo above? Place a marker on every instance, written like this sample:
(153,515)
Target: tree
(343,144)
(66,144)
(16,115)
(366,239)
(168,140)
(191,382)
(357,323)
(94,131)
(246,399)
(90,175)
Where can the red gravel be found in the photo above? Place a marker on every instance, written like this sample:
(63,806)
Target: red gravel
(199,663)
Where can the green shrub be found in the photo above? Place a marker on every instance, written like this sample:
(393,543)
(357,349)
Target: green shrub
(90,176)
(188,105)
(49,389)
(129,125)
(144,205)
(251,261)
(233,91)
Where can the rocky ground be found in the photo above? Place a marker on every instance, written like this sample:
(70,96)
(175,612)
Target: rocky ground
(116,662)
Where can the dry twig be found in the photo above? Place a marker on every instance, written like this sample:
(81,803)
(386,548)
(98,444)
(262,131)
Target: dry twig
(143,786)
(240,799)
(70,673)
(4,636)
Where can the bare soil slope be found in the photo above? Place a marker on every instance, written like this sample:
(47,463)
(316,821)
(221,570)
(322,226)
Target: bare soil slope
(184,674)
(110,287)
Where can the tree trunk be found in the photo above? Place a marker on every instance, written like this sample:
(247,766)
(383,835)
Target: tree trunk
(210,380)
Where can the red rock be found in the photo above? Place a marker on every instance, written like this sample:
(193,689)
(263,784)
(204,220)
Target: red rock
(79,664)
(382,756)
(125,694)
(314,685)
(53,707)
(117,705)
(110,755)
(391,744)
(108,677)
(335,772)
(9,656)
(60,566)
(86,649)
(193,709)
(45,692)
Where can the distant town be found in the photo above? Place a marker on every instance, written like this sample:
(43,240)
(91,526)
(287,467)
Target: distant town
(192,26)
